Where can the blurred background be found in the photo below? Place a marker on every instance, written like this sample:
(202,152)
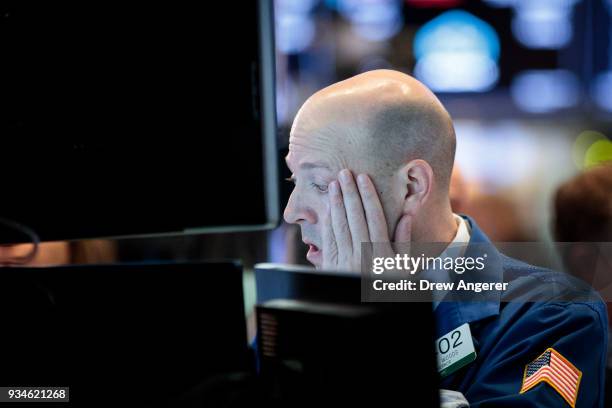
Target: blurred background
(528,83)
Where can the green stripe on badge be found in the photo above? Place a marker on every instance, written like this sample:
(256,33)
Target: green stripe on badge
(458,364)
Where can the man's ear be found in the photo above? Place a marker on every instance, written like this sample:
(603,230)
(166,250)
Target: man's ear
(417,177)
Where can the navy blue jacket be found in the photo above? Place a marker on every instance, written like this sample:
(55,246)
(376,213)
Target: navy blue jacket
(507,336)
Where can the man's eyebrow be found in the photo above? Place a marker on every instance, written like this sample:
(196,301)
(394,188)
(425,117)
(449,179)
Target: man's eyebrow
(313,165)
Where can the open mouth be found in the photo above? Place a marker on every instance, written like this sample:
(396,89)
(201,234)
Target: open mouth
(314,254)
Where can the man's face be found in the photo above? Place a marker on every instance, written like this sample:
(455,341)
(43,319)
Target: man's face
(314,163)
(316,156)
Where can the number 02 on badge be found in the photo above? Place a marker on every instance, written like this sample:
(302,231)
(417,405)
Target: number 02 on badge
(455,350)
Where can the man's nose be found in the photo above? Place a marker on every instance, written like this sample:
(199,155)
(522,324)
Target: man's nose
(296,212)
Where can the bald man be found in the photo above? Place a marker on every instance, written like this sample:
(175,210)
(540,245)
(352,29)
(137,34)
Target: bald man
(371,159)
(382,124)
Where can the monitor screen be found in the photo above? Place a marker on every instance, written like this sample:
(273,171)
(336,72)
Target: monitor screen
(123,118)
(317,339)
(136,334)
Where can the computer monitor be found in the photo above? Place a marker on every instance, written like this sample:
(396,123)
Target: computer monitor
(318,344)
(280,281)
(123,118)
(138,335)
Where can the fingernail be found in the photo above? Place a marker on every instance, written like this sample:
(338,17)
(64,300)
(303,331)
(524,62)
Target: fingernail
(361,179)
(345,175)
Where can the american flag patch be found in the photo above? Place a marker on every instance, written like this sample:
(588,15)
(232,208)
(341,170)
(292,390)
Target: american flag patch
(554,369)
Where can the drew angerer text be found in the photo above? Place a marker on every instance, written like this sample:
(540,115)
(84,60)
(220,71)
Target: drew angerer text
(424,284)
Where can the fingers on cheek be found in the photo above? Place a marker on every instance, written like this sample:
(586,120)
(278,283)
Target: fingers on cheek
(327,212)
(366,191)
(327,227)
(335,197)
(336,205)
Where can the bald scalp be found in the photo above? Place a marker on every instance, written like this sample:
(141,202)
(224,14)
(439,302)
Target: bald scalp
(390,118)
(401,132)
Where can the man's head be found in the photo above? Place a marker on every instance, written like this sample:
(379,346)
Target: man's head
(382,123)
(583,216)
(583,207)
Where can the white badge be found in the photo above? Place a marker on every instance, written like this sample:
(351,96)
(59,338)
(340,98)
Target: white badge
(454,350)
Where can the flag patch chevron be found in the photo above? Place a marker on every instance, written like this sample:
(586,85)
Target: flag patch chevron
(555,370)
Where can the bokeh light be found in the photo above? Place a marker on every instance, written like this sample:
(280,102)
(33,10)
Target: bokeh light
(457,52)
(599,152)
(544,91)
(582,144)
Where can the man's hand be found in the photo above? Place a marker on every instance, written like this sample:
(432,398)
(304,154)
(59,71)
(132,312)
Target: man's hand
(355,215)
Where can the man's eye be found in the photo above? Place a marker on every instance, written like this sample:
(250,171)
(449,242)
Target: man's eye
(319,187)
(291,180)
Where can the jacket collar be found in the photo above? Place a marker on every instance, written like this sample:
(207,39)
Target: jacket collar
(452,314)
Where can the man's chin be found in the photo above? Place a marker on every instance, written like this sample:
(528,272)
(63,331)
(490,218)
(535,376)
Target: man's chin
(316,265)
